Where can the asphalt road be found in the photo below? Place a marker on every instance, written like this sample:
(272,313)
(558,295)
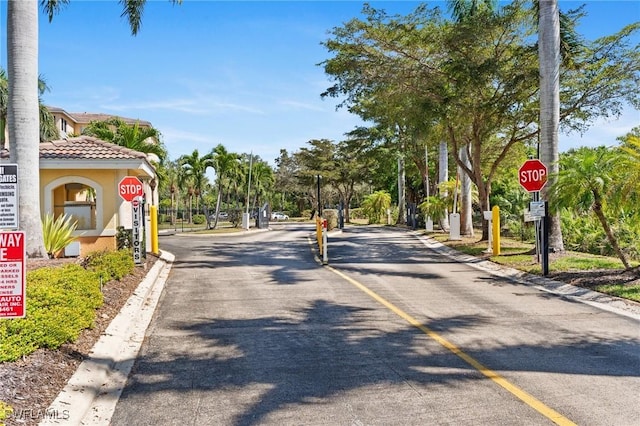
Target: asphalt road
(252,330)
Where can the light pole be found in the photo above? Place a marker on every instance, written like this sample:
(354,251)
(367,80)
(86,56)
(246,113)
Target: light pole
(319,203)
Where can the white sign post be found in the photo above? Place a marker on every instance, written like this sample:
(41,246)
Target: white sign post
(9,196)
(136,239)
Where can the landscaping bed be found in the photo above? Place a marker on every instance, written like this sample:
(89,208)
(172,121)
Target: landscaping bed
(30,384)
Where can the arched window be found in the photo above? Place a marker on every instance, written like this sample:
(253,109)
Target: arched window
(77,197)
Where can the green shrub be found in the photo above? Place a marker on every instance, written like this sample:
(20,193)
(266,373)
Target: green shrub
(124,239)
(57,233)
(357,213)
(5,411)
(332,218)
(60,303)
(375,206)
(110,265)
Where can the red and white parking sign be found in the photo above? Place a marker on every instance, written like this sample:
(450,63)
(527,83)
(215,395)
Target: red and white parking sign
(12,275)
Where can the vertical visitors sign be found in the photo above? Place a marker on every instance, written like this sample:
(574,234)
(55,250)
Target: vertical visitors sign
(8,196)
(136,215)
(12,274)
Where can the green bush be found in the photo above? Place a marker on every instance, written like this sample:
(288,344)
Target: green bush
(357,213)
(61,302)
(110,265)
(5,411)
(332,218)
(199,219)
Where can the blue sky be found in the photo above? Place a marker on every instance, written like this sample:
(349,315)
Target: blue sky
(240,73)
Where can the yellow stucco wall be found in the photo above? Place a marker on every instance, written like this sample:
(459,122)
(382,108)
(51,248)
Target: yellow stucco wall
(107,179)
(107,206)
(103,237)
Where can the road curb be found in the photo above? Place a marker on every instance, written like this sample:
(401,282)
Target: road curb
(91,394)
(599,300)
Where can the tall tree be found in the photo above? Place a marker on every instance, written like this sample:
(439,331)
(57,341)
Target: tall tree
(22,111)
(23,116)
(224,163)
(549,62)
(194,168)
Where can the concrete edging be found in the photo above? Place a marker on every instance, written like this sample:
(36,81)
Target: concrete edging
(91,394)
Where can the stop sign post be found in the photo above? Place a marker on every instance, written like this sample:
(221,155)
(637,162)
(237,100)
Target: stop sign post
(130,187)
(532,175)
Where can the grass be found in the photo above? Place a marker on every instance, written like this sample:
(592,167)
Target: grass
(620,290)
(521,256)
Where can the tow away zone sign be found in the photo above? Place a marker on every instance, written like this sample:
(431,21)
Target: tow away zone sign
(12,275)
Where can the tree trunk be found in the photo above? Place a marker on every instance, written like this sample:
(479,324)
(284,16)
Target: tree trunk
(466,205)
(549,57)
(402,219)
(217,213)
(597,208)
(23,116)
(443,176)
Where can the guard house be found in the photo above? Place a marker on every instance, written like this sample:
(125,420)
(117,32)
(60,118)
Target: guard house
(79,177)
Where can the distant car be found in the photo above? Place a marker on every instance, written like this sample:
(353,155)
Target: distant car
(221,216)
(279,216)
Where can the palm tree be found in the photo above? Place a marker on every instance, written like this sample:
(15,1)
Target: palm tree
(48,129)
(549,59)
(225,163)
(376,204)
(585,183)
(141,139)
(262,179)
(194,168)
(22,106)
(23,116)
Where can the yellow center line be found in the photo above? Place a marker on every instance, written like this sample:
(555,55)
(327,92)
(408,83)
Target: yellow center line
(525,397)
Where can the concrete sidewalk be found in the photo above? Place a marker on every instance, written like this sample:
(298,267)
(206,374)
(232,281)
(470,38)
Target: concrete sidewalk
(90,396)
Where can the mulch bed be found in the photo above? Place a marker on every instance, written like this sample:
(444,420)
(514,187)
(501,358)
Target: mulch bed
(30,384)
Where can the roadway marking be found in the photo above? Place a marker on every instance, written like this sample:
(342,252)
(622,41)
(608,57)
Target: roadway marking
(519,393)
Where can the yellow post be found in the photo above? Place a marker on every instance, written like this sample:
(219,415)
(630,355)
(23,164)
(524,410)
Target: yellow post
(153,212)
(319,233)
(495,219)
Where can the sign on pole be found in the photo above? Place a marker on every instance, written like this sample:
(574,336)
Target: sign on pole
(136,236)
(130,187)
(533,175)
(12,275)
(9,196)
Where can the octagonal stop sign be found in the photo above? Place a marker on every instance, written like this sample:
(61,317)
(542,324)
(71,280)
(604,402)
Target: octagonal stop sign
(130,187)
(533,175)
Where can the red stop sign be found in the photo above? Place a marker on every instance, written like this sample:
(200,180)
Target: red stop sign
(130,187)
(533,175)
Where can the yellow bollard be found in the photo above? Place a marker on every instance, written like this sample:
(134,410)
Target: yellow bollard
(495,219)
(153,212)
(319,232)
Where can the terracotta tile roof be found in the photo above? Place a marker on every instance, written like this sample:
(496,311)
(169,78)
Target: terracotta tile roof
(86,117)
(87,148)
